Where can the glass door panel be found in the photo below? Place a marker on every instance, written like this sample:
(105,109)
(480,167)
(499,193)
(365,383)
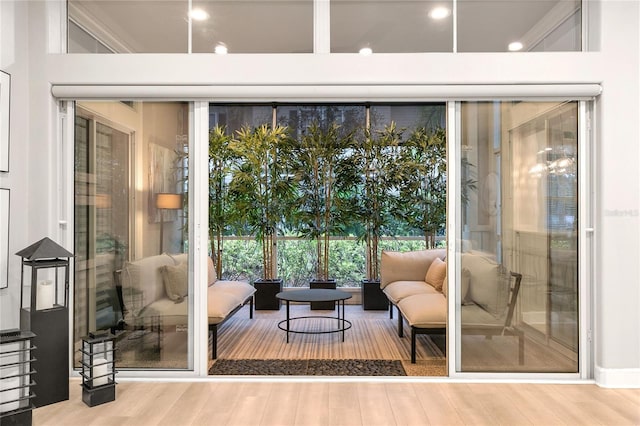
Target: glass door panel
(519,260)
(131,267)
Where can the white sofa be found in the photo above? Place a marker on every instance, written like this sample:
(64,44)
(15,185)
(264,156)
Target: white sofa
(155,294)
(415,283)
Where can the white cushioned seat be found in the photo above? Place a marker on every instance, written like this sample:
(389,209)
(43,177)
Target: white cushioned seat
(398,290)
(220,304)
(475,316)
(239,289)
(425,310)
(166,311)
(408,266)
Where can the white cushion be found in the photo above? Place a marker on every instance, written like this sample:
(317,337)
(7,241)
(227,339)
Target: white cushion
(475,316)
(486,286)
(142,282)
(239,289)
(407,266)
(219,304)
(425,310)
(180,257)
(465,276)
(436,273)
(164,308)
(398,290)
(176,281)
(184,258)
(211,272)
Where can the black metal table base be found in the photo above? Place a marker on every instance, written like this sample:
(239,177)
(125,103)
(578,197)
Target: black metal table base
(343,324)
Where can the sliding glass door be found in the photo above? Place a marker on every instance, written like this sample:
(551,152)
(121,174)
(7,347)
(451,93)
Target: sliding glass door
(131,276)
(518,258)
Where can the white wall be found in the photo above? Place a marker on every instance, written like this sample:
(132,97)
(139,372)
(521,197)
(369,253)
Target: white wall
(617,279)
(14,60)
(616,66)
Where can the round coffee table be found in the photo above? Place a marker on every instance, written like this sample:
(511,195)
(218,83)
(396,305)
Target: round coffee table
(315,295)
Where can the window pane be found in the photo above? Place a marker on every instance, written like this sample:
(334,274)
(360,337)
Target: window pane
(130,270)
(133,26)
(538,25)
(252,26)
(388,26)
(80,41)
(519,215)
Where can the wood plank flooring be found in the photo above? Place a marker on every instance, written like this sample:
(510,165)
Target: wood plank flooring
(345,403)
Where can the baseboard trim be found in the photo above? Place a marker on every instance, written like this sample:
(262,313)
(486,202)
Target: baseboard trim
(618,377)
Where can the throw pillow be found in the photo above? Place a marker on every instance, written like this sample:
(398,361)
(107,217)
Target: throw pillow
(436,273)
(211,272)
(465,276)
(175,279)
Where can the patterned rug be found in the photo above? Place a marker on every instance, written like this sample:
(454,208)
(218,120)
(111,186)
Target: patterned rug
(311,367)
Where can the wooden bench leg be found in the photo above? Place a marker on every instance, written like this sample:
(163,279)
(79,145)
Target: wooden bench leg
(390,310)
(413,345)
(400,330)
(251,308)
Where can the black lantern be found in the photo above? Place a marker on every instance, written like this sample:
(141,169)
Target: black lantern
(98,369)
(16,383)
(49,264)
(45,312)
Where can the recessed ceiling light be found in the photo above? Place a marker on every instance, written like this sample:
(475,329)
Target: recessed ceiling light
(515,46)
(439,12)
(198,15)
(366,51)
(221,49)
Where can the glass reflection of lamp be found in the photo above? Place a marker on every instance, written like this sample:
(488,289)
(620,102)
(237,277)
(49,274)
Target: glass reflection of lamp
(166,201)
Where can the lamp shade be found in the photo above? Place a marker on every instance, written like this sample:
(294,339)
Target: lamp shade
(168,201)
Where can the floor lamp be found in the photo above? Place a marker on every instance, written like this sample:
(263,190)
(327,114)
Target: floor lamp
(166,201)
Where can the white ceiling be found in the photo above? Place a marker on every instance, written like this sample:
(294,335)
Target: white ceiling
(286,26)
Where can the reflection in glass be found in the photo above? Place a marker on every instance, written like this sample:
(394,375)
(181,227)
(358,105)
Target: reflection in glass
(527,25)
(138,26)
(391,26)
(519,216)
(251,26)
(122,283)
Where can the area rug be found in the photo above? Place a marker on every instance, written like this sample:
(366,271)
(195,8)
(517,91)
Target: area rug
(311,367)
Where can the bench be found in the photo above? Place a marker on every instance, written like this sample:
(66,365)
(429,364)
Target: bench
(419,293)
(154,293)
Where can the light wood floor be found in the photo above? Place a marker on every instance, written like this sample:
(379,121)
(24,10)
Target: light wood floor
(281,403)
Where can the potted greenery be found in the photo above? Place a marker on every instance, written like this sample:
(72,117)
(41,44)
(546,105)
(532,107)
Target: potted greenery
(422,192)
(377,157)
(220,162)
(261,193)
(326,175)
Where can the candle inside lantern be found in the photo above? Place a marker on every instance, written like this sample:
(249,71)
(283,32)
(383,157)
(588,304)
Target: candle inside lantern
(45,295)
(99,369)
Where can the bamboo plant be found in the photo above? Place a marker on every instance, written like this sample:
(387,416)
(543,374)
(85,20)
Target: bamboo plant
(423,190)
(325,175)
(260,190)
(378,156)
(220,162)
